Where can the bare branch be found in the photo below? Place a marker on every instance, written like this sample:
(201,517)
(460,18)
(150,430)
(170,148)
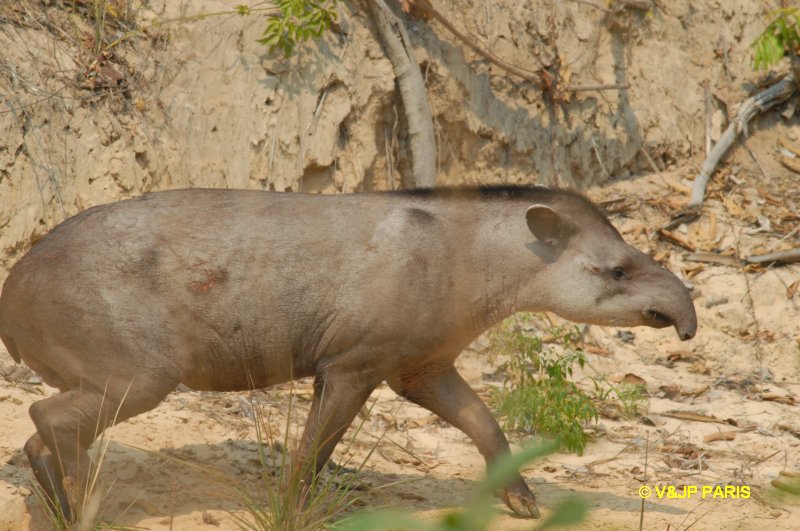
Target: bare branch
(425,7)
(764,100)
(541,78)
(782,257)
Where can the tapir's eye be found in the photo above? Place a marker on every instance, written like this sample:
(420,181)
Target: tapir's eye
(618,273)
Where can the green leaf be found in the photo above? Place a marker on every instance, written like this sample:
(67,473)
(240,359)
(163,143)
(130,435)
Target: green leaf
(569,512)
(374,521)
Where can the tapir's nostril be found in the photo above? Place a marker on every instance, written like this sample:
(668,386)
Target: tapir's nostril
(687,330)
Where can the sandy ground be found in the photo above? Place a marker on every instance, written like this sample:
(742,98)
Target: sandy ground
(164,468)
(176,467)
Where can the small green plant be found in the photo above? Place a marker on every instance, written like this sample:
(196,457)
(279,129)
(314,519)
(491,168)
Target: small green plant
(539,395)
(782,35)
(629,398)
(298,21)
(479,510)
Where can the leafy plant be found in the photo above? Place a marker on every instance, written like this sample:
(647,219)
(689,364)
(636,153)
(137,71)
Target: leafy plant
(781,36)
(298,21)
(629,398)
(539,395)
(479,510)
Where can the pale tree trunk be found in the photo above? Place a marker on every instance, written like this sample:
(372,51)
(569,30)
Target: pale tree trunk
(422,144)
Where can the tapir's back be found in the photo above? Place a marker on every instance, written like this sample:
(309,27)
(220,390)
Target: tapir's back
(190,281)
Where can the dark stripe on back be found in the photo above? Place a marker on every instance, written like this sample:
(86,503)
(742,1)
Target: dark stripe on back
(504,192)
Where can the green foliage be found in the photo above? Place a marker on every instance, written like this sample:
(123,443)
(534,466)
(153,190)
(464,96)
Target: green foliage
(782,34)
(539,396)
(629,398)
(479,510)
(298,21)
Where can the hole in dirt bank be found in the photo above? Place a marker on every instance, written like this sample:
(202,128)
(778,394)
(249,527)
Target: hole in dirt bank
(317,179)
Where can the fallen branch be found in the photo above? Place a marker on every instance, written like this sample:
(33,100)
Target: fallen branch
(782,257)
(697,417)
(676,239)
(764,100)
(720,436)
(713,258)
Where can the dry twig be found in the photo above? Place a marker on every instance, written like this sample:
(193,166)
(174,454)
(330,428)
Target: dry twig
(541,78)
(764,100)
(782,257)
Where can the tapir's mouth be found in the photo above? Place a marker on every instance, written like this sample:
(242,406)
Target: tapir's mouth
(657,319)
(685,327)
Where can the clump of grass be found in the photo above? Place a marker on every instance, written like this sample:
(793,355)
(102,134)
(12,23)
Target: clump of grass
(281,500)
(539,396)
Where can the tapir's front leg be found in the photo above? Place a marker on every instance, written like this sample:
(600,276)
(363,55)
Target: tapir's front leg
(445,393)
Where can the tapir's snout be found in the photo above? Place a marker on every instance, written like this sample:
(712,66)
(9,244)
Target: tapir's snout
(685,323)
(674,307)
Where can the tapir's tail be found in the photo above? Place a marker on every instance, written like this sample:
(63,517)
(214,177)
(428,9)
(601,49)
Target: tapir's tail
(11,347)
(6,339)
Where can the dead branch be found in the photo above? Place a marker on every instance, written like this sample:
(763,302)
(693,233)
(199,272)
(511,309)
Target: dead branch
(764,100)
(426,9)
(422,143)
(676,239)
(782,257)
(713,258)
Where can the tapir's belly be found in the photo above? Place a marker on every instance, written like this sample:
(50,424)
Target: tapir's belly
(240,365)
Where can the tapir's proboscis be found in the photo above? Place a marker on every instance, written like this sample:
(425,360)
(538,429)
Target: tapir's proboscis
(230,290)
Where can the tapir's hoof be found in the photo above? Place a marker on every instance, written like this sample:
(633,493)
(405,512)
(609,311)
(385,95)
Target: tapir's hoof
(521,500)
(46,472)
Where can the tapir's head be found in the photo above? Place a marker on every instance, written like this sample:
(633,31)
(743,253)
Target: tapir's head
(591,275)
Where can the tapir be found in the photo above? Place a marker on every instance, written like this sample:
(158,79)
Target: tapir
(230,290)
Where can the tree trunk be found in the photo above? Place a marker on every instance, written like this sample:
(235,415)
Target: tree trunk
(397,46)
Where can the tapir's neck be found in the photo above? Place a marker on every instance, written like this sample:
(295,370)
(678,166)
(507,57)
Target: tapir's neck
(497,267)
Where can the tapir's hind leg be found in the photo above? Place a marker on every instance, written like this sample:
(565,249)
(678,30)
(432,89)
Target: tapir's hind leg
(68,423)
(337,399)
(445,393)
(47,472)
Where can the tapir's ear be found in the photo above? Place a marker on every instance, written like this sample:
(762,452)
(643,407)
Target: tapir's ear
(548,226)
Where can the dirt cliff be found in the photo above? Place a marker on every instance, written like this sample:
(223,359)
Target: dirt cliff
(189,98)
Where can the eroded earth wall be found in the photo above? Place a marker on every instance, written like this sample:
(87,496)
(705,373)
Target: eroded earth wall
(180,100)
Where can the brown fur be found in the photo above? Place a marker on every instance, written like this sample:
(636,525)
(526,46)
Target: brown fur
(226,290)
